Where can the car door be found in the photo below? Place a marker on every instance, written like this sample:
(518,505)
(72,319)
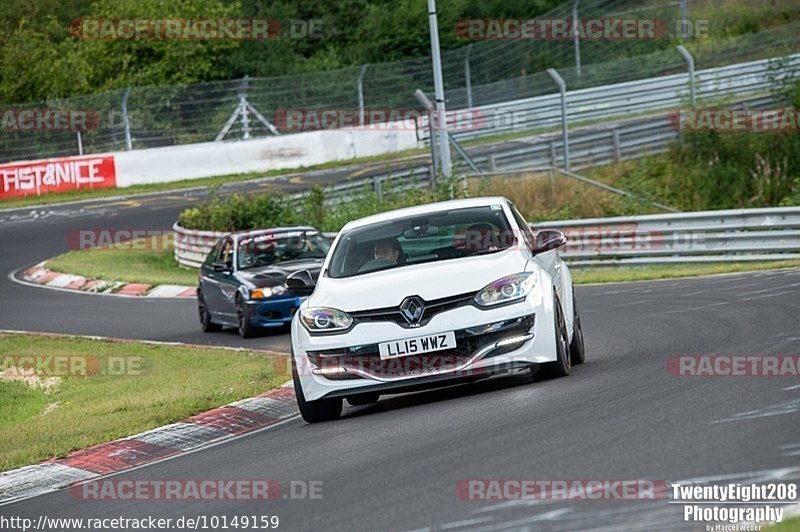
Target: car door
(213,283)
(227,281)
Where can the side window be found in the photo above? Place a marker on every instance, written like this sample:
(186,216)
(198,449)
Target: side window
(214,253)
(527,234)
(226,251)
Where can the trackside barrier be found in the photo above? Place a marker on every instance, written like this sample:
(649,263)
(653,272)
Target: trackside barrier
(737,235)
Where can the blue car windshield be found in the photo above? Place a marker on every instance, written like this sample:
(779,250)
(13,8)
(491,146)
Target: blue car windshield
(431,237)
(264,249)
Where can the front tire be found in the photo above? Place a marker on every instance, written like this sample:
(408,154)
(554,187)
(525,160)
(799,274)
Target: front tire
(246,329)
(206,324)
(577,349)
(562,366)
(314,411)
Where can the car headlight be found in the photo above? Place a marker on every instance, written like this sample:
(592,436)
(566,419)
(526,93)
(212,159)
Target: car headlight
(506,290)
(322,319)
(267,292)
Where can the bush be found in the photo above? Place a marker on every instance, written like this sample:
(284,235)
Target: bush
(274,209)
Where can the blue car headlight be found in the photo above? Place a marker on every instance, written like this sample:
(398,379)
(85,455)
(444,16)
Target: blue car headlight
(268,291)
(508,289)
(322,319)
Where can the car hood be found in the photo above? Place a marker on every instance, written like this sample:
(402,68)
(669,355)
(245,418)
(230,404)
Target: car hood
(275,274)
(433,280)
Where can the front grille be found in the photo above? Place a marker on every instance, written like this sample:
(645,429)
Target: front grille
(394,315)
(468,342)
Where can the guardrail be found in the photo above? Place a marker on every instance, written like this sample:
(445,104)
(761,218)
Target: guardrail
(617,100)
(738,235)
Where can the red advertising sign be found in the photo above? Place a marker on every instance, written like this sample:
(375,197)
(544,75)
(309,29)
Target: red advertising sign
(56,175)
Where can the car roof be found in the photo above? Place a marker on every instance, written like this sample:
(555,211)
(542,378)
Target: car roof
(253,232)
(427,208)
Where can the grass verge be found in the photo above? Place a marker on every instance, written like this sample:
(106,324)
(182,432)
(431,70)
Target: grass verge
(158,267)
(612,274)
(791,524)
(144,386)
(149,266)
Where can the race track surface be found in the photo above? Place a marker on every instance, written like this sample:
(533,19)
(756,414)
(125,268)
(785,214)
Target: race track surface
(395,465)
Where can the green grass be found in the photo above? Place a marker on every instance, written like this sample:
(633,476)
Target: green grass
(173,384)
(791,524)
(159,267)
(152,267)
(611,274)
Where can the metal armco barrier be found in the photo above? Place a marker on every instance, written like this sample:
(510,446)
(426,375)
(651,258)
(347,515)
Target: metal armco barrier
(737,235)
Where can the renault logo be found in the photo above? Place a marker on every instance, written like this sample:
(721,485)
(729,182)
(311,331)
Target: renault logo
(412,308)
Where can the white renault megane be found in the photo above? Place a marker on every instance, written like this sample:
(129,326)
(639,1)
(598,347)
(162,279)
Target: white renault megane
(429,296)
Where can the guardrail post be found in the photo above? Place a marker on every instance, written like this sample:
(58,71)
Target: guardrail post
(552,153)
(492,162)
(617,151)
(690,64)
(376,187)
(576,36)
(80,144)
(562,87)
(468,76)
(361,94)
(552,177)
(125,122)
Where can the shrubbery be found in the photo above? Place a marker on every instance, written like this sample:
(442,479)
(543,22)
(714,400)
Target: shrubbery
(275,209)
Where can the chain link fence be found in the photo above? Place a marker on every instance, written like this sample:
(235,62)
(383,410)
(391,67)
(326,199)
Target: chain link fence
(478,74)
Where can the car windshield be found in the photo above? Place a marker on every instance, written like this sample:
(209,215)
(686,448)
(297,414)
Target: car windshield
(264,249)
(413,240)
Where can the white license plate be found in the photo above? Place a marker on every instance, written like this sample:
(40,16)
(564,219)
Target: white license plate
(418,345)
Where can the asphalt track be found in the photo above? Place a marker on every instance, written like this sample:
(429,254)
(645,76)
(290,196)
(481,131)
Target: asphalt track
(395,465)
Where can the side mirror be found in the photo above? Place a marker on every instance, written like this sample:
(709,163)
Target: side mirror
(221,266)
(547,239)
(301,283)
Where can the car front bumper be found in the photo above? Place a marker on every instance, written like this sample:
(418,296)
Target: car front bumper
(272,312)
(488,341)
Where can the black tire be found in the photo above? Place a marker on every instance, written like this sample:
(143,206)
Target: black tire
(246,329)
(562,366)
(363,399)
(315,411)
(577,349)
(206,324)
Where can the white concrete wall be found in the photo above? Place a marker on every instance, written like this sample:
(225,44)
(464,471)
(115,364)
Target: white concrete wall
(173,163)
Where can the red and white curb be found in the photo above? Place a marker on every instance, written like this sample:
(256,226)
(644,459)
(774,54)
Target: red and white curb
(42,276)
(203,430)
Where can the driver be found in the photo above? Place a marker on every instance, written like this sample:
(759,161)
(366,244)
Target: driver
(388,249)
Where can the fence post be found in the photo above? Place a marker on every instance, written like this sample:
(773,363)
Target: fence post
(684,19)
(243,106)
(125,122)
(562,87)
(468,75)
(690,64)
(576,36)
(361,94)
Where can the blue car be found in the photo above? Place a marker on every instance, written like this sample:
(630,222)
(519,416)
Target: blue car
(243,281)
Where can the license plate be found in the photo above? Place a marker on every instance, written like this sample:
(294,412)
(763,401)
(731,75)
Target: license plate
(418,345)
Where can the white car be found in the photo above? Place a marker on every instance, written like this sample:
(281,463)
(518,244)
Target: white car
(428,296)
